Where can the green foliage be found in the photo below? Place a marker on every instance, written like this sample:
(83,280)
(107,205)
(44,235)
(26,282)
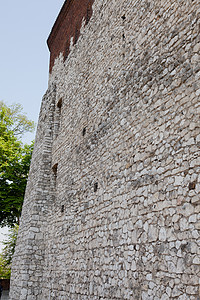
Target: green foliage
(5,270)
(7,253)
(13,180)
(15,120)
(14,162)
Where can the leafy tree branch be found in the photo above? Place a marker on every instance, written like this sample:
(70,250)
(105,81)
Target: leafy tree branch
(15,161)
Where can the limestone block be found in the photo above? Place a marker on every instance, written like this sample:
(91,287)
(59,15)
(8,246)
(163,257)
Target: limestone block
(162,234)
(153,233)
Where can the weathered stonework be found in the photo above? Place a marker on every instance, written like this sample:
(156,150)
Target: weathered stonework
(112,207)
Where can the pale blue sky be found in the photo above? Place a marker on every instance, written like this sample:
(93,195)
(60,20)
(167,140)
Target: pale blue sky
(24,55)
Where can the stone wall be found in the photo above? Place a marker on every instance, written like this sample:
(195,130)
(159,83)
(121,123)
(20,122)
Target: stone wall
(27,267)
(68,26)
(112,204)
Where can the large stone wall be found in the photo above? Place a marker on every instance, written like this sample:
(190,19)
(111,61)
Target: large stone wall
(68,26)
(112,204)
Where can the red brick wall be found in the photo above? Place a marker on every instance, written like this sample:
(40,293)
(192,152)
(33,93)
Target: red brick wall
(68,25)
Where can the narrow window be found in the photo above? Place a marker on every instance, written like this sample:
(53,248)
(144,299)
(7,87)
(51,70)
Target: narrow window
(95,187)
(55,170)
(59,104)
(57,117)
(84,131)
(59,107)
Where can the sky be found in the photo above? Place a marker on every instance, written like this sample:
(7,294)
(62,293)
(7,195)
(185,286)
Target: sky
(24,55)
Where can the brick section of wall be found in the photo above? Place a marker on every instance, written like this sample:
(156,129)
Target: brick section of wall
(68,26)
(112,208)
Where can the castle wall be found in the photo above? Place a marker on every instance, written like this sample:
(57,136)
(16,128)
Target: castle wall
(113,193)
(27,265)
(67,27)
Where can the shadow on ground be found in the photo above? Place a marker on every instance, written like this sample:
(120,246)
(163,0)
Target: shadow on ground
(5,295)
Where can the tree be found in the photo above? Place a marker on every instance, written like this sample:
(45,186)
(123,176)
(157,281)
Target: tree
(7,253)
(14,162)
(15,120)
(12,185)
(5,270)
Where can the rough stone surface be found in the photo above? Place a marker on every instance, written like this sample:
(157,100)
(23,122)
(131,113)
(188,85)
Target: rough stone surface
(112,202)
